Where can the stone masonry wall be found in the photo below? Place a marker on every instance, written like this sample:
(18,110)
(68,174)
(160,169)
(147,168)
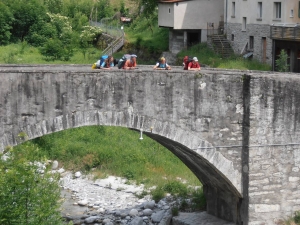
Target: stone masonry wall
(176,41)
(241,38)
(274,152)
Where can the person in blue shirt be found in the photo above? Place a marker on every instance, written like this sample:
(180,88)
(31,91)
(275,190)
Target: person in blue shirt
(162,65)
(108,63)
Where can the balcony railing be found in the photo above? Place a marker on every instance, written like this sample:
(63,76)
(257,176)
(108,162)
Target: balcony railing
(285,31)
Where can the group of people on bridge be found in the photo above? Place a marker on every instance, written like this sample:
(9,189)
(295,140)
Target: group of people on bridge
(128,61)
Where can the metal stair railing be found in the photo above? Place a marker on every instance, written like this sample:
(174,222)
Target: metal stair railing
(221,44)
(114,46)
(108,29)
(111,31)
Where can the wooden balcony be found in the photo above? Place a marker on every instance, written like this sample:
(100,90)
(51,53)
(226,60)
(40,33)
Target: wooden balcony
(285,32)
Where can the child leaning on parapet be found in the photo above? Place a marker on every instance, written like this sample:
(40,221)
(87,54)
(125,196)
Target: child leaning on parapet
(162,64)
(194,65)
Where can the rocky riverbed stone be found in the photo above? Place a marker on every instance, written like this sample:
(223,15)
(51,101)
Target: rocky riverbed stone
(111,201)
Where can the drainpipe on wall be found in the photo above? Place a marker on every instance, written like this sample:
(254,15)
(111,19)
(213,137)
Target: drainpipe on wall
(273,54)
(226,8)
(185,40)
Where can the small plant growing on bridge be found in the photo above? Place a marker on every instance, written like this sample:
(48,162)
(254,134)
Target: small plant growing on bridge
(297,217)
(23,136)
(198,75)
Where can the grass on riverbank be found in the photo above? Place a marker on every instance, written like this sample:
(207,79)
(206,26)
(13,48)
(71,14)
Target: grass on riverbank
(118,151)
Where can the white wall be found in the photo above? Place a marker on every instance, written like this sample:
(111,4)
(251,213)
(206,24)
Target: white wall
(166,19)
(249,9)
(193,14)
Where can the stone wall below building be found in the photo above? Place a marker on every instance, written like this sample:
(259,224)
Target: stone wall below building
(239,39)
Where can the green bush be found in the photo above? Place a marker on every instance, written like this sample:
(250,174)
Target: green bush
(297,217)
(198,200)
(55,49)
(52,50)
(10,58)
(183,205)
(175,188)
(6,20)
(175,211)
(26,195)
(128,174)
(281,62)
(157,194)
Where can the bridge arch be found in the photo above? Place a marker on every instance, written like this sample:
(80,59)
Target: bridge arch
(174,108)
(216,173)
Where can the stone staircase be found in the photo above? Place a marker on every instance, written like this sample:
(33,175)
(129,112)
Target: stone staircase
(220,45)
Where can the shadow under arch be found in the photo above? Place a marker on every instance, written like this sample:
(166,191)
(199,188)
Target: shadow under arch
(223,199)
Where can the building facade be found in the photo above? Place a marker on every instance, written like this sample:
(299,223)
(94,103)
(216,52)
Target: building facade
(188,20)
(263,28)
(258,29)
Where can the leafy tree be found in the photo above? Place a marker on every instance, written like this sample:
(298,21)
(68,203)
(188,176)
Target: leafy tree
(79,21)
(26,14)
(6,19)
(104,10)
(147,7)
(71,7)
(60,47)
(62,23)
(88,37)
(281,62)
(26,195)
(40,32)
(123,10)
(54,6)
(53,49)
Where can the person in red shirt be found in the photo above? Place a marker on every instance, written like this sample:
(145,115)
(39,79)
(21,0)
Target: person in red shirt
(130,63)
(194,65)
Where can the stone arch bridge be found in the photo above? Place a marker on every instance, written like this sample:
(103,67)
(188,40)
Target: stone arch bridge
(238,131)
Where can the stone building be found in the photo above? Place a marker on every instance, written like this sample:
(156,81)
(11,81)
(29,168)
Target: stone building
(262,28)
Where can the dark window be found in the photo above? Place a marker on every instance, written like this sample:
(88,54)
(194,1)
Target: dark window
(232,37)
(244,25)
(259,10)
(251,42)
